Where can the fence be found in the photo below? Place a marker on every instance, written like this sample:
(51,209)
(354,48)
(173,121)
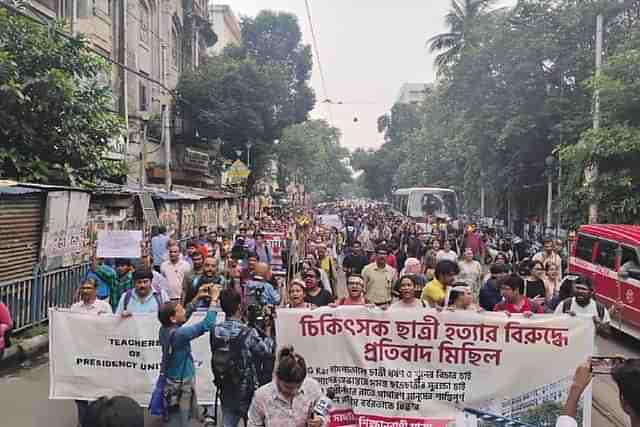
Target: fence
(29,299)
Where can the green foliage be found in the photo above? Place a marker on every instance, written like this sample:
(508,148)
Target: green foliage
(312,150)
(517,85)
(56,118)
(254,91)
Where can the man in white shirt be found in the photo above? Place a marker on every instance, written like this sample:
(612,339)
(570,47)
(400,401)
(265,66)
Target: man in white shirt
(174,270)
(548,255)
(142,298)
(627,377)
(89,302)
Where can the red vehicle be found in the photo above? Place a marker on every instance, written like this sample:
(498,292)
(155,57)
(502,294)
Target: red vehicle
(609,255)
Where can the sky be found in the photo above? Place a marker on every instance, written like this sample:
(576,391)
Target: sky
(368,49)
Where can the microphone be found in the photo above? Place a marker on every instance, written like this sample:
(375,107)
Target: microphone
(323,405)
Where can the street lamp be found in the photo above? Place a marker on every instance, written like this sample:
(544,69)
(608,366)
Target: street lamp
(249,145)
(550,164)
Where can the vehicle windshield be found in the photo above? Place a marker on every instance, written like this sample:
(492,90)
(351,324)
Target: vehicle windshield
(435,203)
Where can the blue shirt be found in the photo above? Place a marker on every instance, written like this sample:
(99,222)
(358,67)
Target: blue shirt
(102,274)
(140,306)
(490,295)
(269,296)
(180,364)
(159,249)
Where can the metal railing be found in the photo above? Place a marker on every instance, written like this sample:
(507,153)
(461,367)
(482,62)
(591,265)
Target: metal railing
(29,299)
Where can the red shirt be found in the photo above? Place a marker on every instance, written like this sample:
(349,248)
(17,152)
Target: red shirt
(527,306)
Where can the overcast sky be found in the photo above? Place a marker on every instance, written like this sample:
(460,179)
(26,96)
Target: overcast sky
(368,49)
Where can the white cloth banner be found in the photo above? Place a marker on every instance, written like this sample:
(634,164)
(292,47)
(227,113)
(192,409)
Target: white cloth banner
(92,356)
(415,367)
(118,244)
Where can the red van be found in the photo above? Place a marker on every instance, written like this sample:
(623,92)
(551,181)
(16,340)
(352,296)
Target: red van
(600,252)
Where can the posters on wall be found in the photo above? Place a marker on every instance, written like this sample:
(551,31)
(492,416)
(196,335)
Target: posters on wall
(64,239)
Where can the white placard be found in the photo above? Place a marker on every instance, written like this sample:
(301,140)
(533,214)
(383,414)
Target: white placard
(92,356)
(119,244)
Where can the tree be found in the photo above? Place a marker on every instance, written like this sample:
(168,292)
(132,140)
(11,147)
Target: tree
(461,20)
(275,38)
(312,150)
(56,118)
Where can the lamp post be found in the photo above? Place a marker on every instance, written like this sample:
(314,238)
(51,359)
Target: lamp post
(249,145)
(550,164)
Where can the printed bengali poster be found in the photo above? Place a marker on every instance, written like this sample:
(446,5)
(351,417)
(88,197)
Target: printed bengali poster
(410,368)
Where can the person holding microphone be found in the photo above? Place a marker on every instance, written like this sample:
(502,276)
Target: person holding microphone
(291,399)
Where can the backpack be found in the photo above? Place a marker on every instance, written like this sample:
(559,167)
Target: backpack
(566,307)
(128,295)
(227,362)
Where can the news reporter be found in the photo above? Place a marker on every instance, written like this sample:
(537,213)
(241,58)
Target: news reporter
(289,399)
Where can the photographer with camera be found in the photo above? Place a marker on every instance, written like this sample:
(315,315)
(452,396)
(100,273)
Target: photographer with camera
(238,353)
(259,290)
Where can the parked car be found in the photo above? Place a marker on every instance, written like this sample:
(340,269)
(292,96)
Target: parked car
(609,255)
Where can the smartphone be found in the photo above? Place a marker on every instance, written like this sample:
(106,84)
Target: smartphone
(603,365)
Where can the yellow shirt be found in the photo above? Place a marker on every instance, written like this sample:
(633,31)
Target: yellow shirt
(434,293)
(378,283)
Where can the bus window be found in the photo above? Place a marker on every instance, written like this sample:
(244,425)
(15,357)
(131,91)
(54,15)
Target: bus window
(584,248)
(606,255)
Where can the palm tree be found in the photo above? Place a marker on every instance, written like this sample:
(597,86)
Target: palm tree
(461,19)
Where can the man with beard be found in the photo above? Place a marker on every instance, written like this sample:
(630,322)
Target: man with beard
(142,298)
(379,279)
(583,304)
(208,269)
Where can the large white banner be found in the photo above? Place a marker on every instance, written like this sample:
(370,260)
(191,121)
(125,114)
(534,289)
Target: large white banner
(423,368)
(92,356)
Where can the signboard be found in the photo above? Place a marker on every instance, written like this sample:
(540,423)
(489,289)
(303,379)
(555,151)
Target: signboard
(238,172)
(276,243)
(195,160)
(118,244)
(65,232)
(330,221)
(93,356)
(422,367)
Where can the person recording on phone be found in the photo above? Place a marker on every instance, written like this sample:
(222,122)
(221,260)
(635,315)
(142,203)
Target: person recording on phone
(238,355)
(626,375)
(291,399)
(175,339)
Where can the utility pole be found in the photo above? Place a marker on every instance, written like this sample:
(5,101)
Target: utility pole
(166,140)
(249,145)
(143,154)
(591,170)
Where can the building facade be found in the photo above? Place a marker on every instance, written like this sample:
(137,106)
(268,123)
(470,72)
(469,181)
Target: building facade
(413,93)
(226,26)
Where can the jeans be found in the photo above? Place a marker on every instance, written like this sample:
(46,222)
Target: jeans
(180,414)
(82,405)
(230,419)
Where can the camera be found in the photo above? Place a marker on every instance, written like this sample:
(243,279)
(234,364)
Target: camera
(255,308)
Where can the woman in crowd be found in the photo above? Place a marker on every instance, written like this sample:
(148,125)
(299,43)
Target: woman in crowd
(296,295)
(447,253)
(316,295)
(552,280)
(533,273)
(412,266)
(470,272)
(296,392)
(461,298)
(408,294)
(355,294)
(6,324)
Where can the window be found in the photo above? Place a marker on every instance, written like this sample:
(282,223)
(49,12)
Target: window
(606,256)
(176,54)
(584,248)
(144,22)
(143,95)
(629,254)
